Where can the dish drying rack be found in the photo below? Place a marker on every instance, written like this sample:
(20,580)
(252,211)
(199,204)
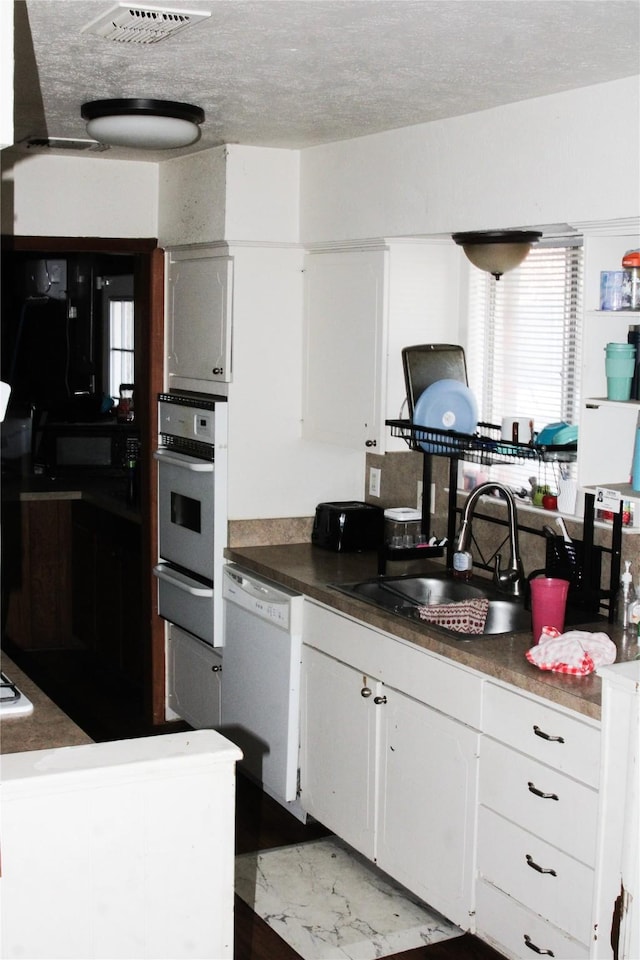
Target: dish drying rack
(486,446)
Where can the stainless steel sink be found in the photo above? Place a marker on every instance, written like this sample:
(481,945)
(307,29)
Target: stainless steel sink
(507,616)
(403,595)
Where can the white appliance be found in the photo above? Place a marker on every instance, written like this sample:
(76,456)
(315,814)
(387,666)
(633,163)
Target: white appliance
(192,520)
(261,678)
(13,703)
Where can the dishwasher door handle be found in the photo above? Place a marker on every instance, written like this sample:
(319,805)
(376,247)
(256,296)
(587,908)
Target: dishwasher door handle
(191,587)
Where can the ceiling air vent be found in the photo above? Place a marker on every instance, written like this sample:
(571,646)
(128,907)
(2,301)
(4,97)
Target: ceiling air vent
(142,24)
(64,143)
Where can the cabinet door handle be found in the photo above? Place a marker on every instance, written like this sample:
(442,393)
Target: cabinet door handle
(382,699)
(546,736)
(371,443)
(365,692)
(532,946)
(217,371)
(216,669)
(536,866)
(540,793)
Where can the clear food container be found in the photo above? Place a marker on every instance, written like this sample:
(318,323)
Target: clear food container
(403,527)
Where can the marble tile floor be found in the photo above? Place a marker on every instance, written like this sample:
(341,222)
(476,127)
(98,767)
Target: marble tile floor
(329,903)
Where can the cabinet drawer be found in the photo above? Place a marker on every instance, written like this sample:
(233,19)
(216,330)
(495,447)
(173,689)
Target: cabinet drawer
(565,742)
(508,857)
(517,932)
(508,785)
(402,665)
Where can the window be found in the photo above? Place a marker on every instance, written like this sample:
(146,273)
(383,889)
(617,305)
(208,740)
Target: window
(118,336)
(121,345)
(523,349)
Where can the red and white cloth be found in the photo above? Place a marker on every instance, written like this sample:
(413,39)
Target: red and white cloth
(463,616)
(577,652)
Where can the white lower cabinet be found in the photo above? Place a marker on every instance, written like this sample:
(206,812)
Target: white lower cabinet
(536,827)
(391,775)
(521,929)
(338,740)
(427,801)
(194,676)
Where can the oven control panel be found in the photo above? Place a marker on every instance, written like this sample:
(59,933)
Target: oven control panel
(188,423)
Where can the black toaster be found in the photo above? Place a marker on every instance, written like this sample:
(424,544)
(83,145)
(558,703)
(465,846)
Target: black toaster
(348,526)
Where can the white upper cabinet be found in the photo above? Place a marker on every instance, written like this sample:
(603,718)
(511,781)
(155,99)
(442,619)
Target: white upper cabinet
(199,319)
(362,306)
(344,320)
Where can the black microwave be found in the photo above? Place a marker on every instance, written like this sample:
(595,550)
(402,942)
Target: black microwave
(85,449)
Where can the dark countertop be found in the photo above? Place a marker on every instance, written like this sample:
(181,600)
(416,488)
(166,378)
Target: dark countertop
(46,728)
(308,569)
(109,494)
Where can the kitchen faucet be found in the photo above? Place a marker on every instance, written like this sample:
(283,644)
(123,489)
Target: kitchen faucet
(512,579)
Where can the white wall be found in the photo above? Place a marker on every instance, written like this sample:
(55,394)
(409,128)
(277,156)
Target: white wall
(192,198)
(232,193)
(78,197)
(571,156)
(262,194)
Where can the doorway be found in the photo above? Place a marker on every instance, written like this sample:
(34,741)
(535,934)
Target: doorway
(86,373)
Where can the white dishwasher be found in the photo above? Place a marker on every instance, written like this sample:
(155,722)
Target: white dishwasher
(261,678)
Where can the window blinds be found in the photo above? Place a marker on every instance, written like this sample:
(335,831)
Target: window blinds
(121,344)
(524,339)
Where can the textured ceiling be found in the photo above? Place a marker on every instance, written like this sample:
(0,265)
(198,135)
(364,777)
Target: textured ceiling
(292,73)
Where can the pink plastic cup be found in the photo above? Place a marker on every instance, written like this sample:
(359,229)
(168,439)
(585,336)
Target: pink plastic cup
(548,604)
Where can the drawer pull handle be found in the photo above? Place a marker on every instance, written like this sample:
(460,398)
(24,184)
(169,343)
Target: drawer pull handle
(532,946)
(540,793)
(536,866)
(546,736)
(379,700)
(366,692)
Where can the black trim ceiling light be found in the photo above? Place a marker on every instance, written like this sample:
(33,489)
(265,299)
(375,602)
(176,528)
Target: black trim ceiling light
(141,123)
(496,251)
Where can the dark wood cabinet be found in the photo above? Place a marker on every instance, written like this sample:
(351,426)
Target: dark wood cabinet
(36,573)
(72,580)
(107,607)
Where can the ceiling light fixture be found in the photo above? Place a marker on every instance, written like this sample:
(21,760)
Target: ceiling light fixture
(146,124)
(496,251)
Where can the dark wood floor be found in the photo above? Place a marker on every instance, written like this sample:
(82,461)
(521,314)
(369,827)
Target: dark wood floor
(109,712)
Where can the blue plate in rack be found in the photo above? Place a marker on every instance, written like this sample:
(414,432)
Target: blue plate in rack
(445,405)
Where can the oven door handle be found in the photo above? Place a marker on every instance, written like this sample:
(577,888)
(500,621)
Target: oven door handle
(180,460)
(182,583)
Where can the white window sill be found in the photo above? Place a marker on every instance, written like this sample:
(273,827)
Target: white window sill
(525,506)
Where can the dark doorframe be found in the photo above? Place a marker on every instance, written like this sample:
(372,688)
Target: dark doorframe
(149,313)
